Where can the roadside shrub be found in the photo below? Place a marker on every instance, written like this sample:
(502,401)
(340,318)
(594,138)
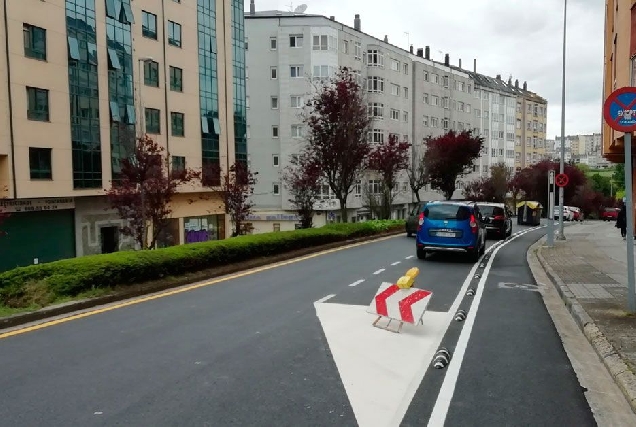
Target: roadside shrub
(70,277)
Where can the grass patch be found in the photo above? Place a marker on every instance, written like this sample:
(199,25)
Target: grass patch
(36,286)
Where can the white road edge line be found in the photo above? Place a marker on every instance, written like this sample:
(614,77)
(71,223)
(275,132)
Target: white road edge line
(396,262)
(323,299)
(447,390)
(357,282)
(379,271)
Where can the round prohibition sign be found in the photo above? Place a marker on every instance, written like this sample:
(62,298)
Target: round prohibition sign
(561,180)
(619,109)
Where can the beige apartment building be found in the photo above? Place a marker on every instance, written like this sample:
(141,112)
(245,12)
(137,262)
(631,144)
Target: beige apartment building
(530,127)
(83,77)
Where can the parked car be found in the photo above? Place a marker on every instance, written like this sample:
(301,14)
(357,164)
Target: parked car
(497,219)
(577,214)
(451,227)
(568,215)
(609,214)
(411,221)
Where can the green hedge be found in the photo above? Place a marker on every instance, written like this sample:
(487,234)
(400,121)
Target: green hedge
(70,277)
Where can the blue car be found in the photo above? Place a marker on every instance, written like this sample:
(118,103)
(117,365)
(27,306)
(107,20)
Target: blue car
(451,227)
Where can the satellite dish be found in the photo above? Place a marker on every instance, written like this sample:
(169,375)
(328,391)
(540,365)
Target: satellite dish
(301,9)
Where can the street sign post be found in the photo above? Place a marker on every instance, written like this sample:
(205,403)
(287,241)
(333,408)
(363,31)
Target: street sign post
(550,238)
(562,180)
(619,112)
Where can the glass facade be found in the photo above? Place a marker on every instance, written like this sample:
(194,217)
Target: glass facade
(208,90)
(84,93)
(120,81)
(238,63)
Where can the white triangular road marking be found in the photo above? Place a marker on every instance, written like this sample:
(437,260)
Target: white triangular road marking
(380,370)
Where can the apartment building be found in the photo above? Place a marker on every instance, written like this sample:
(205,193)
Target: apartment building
(495,111)
(443,100)
(619,66)
(531,126)
(288,56)
(83,78)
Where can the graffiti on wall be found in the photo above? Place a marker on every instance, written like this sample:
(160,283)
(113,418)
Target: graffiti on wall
(193,236)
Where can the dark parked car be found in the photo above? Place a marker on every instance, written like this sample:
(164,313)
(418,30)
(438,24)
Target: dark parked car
(451,227)
(411,221)
(497,219)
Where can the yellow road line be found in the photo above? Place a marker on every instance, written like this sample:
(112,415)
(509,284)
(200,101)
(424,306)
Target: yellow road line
(187,288)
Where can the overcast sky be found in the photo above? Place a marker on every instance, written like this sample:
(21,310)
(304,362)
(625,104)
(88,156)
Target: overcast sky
(513,37)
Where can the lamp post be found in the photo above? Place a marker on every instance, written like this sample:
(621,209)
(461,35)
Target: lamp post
(141,121)
(561,235)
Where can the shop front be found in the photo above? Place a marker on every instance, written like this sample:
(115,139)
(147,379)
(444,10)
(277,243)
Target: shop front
(267,222)
(36,231)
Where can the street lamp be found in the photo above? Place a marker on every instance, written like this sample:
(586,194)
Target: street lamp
(561,235)
(142,62)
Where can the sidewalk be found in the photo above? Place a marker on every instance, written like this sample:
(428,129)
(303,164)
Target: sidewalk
(590,271)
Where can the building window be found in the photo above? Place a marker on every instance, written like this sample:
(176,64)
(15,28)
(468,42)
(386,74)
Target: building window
(37,104)
(153,123)
(176,79)
(151,73)
(296,101)
(149,25)
(425,98)
(276,160)
(274,102)
(435,100)
(376,110)
(345,47)
(177,124)
(321,42)
(296,131)
(405,116)
(425,76)
(276,189)
(273,43)
(406,92)
(323,72)
(274,131)
(296,41)
(395,65)
(178,165)
(445,124)
(40,163)
(273,73)
(376,136)
(375,58)
(405,67)
(395,89)
(395,114)
(34,42)
(296,71)
(375,84)
(425,121)
(174,34)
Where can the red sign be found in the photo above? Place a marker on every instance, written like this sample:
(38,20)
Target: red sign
(402,302)
(619,109)
(561,180)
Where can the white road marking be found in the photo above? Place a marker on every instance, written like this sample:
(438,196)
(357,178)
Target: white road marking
(445,396)
(357,282)
(410,256)
(396,262)
(361,352)
(323,299)
(378,271)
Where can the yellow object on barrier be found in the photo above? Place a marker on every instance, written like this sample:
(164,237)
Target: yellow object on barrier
(408,279)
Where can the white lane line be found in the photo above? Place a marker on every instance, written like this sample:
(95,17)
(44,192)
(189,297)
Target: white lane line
(323,299)
(379,271)
(357,282)
(396,262)
(446,392)
(410,256)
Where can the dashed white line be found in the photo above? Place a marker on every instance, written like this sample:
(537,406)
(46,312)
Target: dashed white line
(396,262)
(410,256)
(357,282)
(323,299)
(379,271)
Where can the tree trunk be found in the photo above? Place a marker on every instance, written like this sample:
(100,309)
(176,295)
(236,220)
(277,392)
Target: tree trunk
(343,210)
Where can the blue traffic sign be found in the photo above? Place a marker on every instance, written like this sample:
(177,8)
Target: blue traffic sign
(619,110)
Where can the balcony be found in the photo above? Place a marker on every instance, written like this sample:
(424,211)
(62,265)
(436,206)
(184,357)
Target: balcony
(327,205)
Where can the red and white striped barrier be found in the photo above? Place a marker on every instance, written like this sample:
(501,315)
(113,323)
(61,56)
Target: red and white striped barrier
(405,305)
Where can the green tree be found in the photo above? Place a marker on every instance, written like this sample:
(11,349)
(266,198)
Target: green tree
(601,184)
(618,177)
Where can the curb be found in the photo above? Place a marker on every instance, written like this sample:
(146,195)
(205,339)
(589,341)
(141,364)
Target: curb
(607,353)
(153,287)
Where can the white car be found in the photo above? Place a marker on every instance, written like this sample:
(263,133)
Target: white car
(568,214)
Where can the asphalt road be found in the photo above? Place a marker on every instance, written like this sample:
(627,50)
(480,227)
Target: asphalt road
(286,346)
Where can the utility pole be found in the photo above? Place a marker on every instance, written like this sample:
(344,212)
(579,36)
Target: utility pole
(561,235)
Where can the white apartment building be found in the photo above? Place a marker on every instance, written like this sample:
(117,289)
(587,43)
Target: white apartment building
(408,94)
